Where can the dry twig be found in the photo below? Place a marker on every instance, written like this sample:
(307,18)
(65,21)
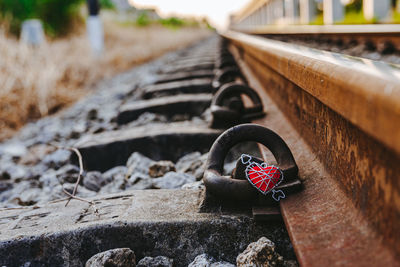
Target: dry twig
(80,175)
(71,196)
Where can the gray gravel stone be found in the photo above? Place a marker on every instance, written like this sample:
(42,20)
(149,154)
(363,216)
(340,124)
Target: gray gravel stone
(119,257)
(78,129)
(205,260)
(4,186)
(92,114)
(180,117)
(49,179)
(68,174)
(160,168)
(35,154)
(118,183)
(13,195)
(36,171)
(14,150)
(198,169)
(57,159)
(146,118)
(193,163)
(138,163)
(136,177)
(94,181)
(142,184)
(260,253)
(115,173)
(12,171)
(159,261)
(101,127)
(173,180)
(5,175)
(29,197)
(185,163)
(50,194)
(229,167)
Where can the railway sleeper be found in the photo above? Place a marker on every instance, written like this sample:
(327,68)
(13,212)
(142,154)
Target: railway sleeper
(159,142)
(184,76)
(199,60)
(188,104)
(180,87)
(150,222)
(187,67)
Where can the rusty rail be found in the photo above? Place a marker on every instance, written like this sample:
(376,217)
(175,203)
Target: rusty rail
(341,118)
(362,29)
(377,34)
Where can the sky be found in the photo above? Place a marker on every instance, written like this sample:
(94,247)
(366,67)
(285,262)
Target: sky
(216,11)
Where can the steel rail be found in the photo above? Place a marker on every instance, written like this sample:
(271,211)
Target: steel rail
(364,29)
(341,119)
(380,35)
(344,84)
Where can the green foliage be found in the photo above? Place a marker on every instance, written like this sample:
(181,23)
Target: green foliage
(356,17)
(57,15)
(354,7)
(396,17)
(172,22)
(350,17)
(107,4)
(319,20)
(143,19)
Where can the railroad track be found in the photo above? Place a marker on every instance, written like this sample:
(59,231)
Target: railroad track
(376,42)
(339,117)
(342,116)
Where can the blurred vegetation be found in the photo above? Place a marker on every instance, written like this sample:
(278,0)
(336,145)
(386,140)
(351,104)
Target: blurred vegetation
(354,7)
(58,16)
(174,22)
(396,17)
(354,15)
(143,19)
(349,18)
(356,18)
(319,20)
(107,4)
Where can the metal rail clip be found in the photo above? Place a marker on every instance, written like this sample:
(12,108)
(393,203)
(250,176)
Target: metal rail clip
(221,190)
(227,75)
(227,107)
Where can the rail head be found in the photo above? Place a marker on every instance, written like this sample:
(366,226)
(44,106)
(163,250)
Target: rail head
(365,92)
(362,29)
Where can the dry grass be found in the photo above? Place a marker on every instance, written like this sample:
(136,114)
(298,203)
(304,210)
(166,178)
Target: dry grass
(41,81)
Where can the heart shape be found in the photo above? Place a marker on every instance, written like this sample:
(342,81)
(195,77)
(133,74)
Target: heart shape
(264,177)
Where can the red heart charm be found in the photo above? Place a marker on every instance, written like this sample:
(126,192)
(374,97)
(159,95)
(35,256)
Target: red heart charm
(264,177)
